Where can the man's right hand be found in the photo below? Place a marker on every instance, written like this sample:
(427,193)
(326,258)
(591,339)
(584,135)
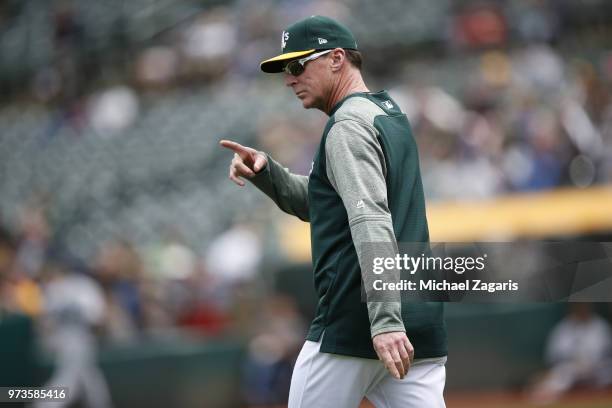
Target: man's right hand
(246,162)
(395,351)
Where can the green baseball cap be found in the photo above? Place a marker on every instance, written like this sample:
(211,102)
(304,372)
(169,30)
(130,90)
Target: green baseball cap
(307,36)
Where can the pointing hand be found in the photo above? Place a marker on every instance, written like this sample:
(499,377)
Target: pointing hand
(246,162)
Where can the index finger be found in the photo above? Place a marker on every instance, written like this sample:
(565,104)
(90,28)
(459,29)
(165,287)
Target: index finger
(235,147)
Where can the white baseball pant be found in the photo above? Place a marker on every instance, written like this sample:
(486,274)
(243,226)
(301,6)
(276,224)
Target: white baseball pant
(326,380)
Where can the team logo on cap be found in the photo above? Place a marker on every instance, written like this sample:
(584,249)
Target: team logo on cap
(284,39)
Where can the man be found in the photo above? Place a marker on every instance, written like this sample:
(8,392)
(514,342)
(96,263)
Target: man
(364,187)
(578,353)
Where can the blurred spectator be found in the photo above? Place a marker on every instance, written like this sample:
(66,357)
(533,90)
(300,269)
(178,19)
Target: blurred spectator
(70,45)
(209,43)
(157,67)
(536,20)
(68,30)
(579,352)
(539,67)
(201,311)
(272,353)
(33,242)
(23,295)
(7,256)
(21,262)
(17,335)
(541,145)
(118,268)
(111,111)
(291,140)
(189,294)
(480,24)
(234,256)
(74,308)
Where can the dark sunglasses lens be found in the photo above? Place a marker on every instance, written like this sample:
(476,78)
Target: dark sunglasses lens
(295,68)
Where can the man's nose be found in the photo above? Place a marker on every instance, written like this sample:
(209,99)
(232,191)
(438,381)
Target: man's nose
(290,80)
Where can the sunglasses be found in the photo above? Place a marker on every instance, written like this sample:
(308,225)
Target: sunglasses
(297,67)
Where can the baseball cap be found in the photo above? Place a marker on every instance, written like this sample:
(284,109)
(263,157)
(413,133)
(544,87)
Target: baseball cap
(305,37)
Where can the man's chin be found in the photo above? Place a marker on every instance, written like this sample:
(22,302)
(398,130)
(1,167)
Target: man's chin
(307,103)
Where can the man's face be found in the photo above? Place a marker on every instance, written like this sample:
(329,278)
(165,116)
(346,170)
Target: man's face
(312,85)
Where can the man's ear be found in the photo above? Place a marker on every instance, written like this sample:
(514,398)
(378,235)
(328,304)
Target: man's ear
(337,57)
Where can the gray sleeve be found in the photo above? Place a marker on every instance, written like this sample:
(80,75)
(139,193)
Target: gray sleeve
(289,191)
(355,166)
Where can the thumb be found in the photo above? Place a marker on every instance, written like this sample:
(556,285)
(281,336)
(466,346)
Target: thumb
(260,162)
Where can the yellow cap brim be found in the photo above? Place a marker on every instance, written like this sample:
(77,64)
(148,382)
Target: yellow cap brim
(275,65)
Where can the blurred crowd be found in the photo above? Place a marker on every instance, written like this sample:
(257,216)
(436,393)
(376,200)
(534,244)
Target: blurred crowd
(141,290)
(125,295)
(527,120)
(502,97)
